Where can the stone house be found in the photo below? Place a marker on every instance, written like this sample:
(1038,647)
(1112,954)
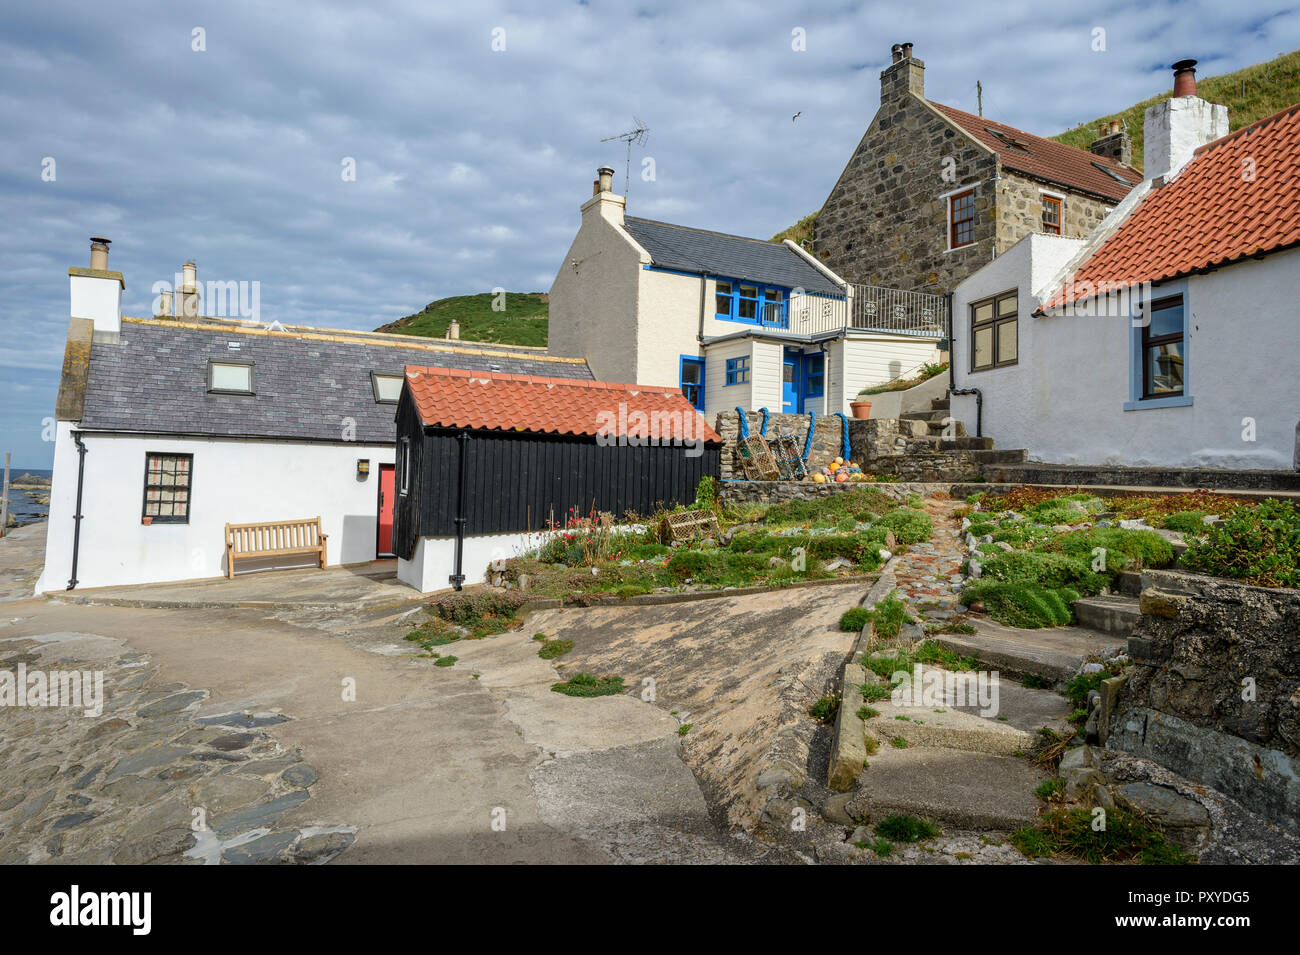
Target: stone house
(732,321)
(1167,337)
(933,193)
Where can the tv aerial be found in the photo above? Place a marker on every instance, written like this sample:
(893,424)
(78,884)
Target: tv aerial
(637,135)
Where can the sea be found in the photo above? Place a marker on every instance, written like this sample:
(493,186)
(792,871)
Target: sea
(21,505)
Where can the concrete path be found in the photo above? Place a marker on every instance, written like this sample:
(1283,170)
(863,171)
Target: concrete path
(22,554)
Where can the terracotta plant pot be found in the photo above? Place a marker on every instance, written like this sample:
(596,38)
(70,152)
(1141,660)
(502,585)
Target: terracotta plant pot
(860,409)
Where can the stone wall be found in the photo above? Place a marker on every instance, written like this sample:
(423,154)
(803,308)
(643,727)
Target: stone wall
(1215,693)
(779,492)
(1020,209)
(885,222)
(827,439)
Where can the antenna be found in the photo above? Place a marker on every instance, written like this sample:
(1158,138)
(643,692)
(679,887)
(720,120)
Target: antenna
(637,135)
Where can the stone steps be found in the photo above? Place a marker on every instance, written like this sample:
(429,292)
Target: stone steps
(933,417)
(965,443)
(1114,614)
(1128,583)
(1053,653)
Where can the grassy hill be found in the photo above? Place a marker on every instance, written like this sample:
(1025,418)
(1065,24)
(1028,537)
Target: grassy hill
(1250,94)
(523,322)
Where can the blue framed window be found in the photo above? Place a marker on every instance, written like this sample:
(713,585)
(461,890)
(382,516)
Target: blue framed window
(752,303)
(738,371)
(1158,352)
(814,376)
(692,380)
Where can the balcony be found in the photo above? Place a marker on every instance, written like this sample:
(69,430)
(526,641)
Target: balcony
(866,308)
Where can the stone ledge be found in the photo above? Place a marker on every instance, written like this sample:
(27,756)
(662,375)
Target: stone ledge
(848,746)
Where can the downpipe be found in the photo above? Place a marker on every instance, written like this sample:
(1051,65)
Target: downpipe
(458,576)
(76,517)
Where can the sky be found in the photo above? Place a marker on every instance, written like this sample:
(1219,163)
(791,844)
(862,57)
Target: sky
(225,133)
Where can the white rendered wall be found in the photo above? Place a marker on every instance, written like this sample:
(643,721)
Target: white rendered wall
(233,481)
(98,299)
(668,325)
(1064,400)
(434,559)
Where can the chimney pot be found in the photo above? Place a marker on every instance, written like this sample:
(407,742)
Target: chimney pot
(896,51)
(907,51)
(1185,78)
(99,253)
(453,330)
(189,290)
(606,178)
(165,304)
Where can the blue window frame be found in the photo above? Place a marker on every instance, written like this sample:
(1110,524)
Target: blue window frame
(814,376)
(752,303)
(1158,351)
(738,371)
(692,380)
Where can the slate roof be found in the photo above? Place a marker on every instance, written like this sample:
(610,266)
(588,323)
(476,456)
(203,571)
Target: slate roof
(455,398)
(307,380)
(1046,158)
(1209,214)
(728,256)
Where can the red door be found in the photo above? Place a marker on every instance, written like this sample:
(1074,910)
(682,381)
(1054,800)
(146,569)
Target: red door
(386,501)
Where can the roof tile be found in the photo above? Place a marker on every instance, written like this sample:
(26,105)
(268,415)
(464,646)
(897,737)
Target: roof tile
(457,398)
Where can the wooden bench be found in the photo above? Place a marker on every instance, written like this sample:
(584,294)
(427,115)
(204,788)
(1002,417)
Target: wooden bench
(274,538)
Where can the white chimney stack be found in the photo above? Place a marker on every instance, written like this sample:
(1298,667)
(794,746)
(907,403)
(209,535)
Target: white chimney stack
(189,290)
(165,304)
(603,202)
(1175,128)
(96,293)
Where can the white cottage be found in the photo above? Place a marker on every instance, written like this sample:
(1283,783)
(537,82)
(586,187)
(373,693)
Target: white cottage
(732,321)
(1167,337)
(169,428)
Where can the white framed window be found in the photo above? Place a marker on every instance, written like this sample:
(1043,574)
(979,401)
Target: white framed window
(404,465)
(230,377)
(386,386)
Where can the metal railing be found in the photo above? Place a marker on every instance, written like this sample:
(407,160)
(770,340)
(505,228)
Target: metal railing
(871,308)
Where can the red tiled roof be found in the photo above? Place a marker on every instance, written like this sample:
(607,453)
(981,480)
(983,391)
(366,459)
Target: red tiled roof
(1209,214)
(456,398)
(1045,158)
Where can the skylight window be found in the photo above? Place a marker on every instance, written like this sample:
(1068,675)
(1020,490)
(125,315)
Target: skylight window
(387,387)
(1010,140)
(230,377)
(1112,173)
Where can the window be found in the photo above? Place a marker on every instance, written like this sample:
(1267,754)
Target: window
(724,297)
(751,302)
(814,376)
(961,219)
(994,332)
(387,388)
(1051,214)
(692,381)
(404,465)
(230,377)
(167,487)
(1162,349)
(738,371)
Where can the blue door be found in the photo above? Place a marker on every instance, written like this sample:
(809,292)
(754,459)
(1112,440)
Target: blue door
(791,399)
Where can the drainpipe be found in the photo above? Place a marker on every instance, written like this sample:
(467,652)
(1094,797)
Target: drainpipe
(952,376)
(458,577)
(76,517)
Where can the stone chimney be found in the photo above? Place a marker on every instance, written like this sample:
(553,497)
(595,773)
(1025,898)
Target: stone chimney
(189,291)
(1175,128)
(905,74)
(164,304)
(95,293)
(1113,142)
(453,330)
(603,201)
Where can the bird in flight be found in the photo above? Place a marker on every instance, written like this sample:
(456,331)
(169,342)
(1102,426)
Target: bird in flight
(796,116)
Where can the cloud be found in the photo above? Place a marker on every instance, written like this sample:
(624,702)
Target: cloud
(471,163)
